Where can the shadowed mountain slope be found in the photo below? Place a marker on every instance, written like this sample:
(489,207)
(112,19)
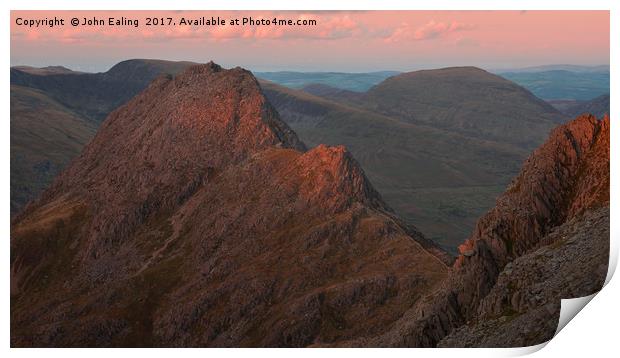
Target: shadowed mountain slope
(55,111)
(45,137)
(598,106)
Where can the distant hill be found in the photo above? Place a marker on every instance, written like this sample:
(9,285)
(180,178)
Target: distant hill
(548,82)
(358,82)
(49,70)
(598,106)
(94,95)
(466,100)
(332,93)
(562,84)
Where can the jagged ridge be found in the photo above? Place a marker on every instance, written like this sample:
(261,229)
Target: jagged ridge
(565,177)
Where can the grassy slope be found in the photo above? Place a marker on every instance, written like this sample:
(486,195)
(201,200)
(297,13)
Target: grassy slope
(45,136)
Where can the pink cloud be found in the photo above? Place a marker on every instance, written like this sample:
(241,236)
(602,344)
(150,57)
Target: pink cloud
(430,30)
(340,27)
(326,28)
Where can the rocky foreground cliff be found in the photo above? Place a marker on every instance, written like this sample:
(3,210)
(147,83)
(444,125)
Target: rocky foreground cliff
(546,239)
(196,217)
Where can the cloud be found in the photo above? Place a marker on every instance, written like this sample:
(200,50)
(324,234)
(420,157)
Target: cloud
(340,27)
(329,26)
(326,28)
(430,30)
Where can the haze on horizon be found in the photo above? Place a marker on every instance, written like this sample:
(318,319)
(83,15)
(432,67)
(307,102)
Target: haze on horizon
(349,41)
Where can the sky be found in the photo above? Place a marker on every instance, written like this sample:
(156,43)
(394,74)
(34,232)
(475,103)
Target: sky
(347,41)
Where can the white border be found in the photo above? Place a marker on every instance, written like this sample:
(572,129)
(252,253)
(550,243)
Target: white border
(316,5)
(593,332)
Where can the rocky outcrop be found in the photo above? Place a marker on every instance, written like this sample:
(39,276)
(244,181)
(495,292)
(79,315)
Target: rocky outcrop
(563,179)
(523,307)
(566,175)
(196,217)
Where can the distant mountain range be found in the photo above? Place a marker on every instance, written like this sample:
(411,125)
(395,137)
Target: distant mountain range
(94,95)
(559,67)
(562,84)
(359,82)
(550,82)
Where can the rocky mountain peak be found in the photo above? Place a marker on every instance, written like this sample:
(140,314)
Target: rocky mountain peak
(336,171)
(196,217)
(152,153)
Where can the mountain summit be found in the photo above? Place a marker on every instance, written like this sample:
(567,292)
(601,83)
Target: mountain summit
(196,217)
(466,100)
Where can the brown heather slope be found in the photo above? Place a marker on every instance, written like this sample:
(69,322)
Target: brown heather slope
(561,188)
(195,218)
